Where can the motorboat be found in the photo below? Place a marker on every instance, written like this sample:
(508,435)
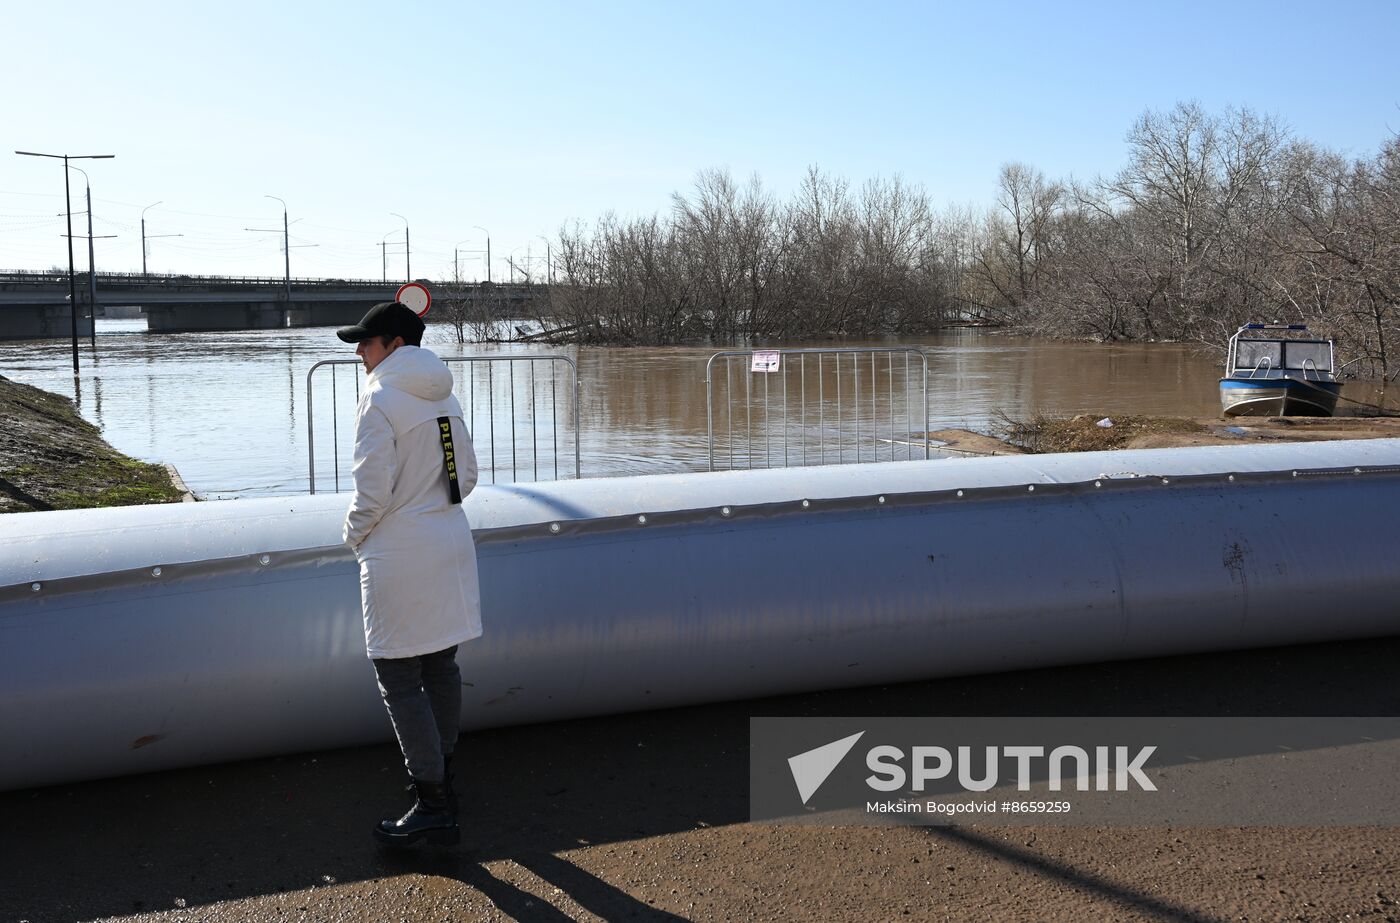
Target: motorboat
(1280,375)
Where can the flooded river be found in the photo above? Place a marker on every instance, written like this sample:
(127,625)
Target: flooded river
(229,410)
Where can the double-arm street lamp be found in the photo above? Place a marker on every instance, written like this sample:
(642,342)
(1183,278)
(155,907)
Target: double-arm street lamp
(68,210)
(286,243)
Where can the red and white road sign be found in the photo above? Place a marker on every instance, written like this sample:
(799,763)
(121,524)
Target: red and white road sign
(414,295)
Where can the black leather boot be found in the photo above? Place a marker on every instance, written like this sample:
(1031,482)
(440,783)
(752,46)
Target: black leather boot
(429,819)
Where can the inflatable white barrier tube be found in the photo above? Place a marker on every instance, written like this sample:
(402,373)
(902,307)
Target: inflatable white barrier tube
(147,638)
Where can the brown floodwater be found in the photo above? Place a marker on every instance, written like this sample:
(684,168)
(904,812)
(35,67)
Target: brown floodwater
(229,410)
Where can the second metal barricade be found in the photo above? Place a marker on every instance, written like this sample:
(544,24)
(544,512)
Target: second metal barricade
(784,407)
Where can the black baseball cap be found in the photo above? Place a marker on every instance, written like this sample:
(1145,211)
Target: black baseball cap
(388,318)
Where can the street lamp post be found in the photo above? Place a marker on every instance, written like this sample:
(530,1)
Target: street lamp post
(407,249)
(488,250)
(286,247)
(143,235)
(92,261)
(92,269)
(68,209)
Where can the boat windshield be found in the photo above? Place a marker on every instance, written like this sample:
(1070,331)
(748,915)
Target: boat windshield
(1259,354)
(1283,354)
(1306,354)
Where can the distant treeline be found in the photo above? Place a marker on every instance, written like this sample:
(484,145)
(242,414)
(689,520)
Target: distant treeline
(1215,220)
(730,262)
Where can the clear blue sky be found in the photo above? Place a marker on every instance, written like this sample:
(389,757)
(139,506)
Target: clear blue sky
(519,117)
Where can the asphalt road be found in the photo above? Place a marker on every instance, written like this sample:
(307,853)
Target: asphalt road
(644,816)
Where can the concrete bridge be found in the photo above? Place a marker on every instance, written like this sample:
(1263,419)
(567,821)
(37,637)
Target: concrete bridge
(34,305)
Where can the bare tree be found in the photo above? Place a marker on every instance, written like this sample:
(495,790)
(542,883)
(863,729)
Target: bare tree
(1344,236)
(1016,246)
(472,312)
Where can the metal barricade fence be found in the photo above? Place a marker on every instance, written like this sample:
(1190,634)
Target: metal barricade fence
(837,406)
(493,400)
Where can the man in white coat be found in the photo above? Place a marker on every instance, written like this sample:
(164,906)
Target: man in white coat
(418,583)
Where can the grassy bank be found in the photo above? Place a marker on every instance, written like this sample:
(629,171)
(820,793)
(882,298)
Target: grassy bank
(53,459)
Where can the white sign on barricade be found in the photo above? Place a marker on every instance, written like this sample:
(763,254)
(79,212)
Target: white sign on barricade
(765,360)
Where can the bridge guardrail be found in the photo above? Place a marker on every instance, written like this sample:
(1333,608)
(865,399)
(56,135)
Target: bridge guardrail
(485,395)
(137,278)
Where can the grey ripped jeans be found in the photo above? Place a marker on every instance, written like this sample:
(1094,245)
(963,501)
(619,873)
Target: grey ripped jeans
(424,698)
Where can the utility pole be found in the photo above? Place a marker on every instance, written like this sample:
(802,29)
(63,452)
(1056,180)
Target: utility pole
(144,235)
(488,250)
(68,210)
(407,248)
(548,259)
(457,271)
(525,272)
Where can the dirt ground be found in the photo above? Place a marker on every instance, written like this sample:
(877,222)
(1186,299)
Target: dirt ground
(644,817)
(1083,432)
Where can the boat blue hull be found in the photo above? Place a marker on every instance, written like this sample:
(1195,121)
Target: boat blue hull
(1278,397)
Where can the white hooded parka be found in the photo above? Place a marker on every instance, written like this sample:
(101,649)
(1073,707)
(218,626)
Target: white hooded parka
(418,578)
